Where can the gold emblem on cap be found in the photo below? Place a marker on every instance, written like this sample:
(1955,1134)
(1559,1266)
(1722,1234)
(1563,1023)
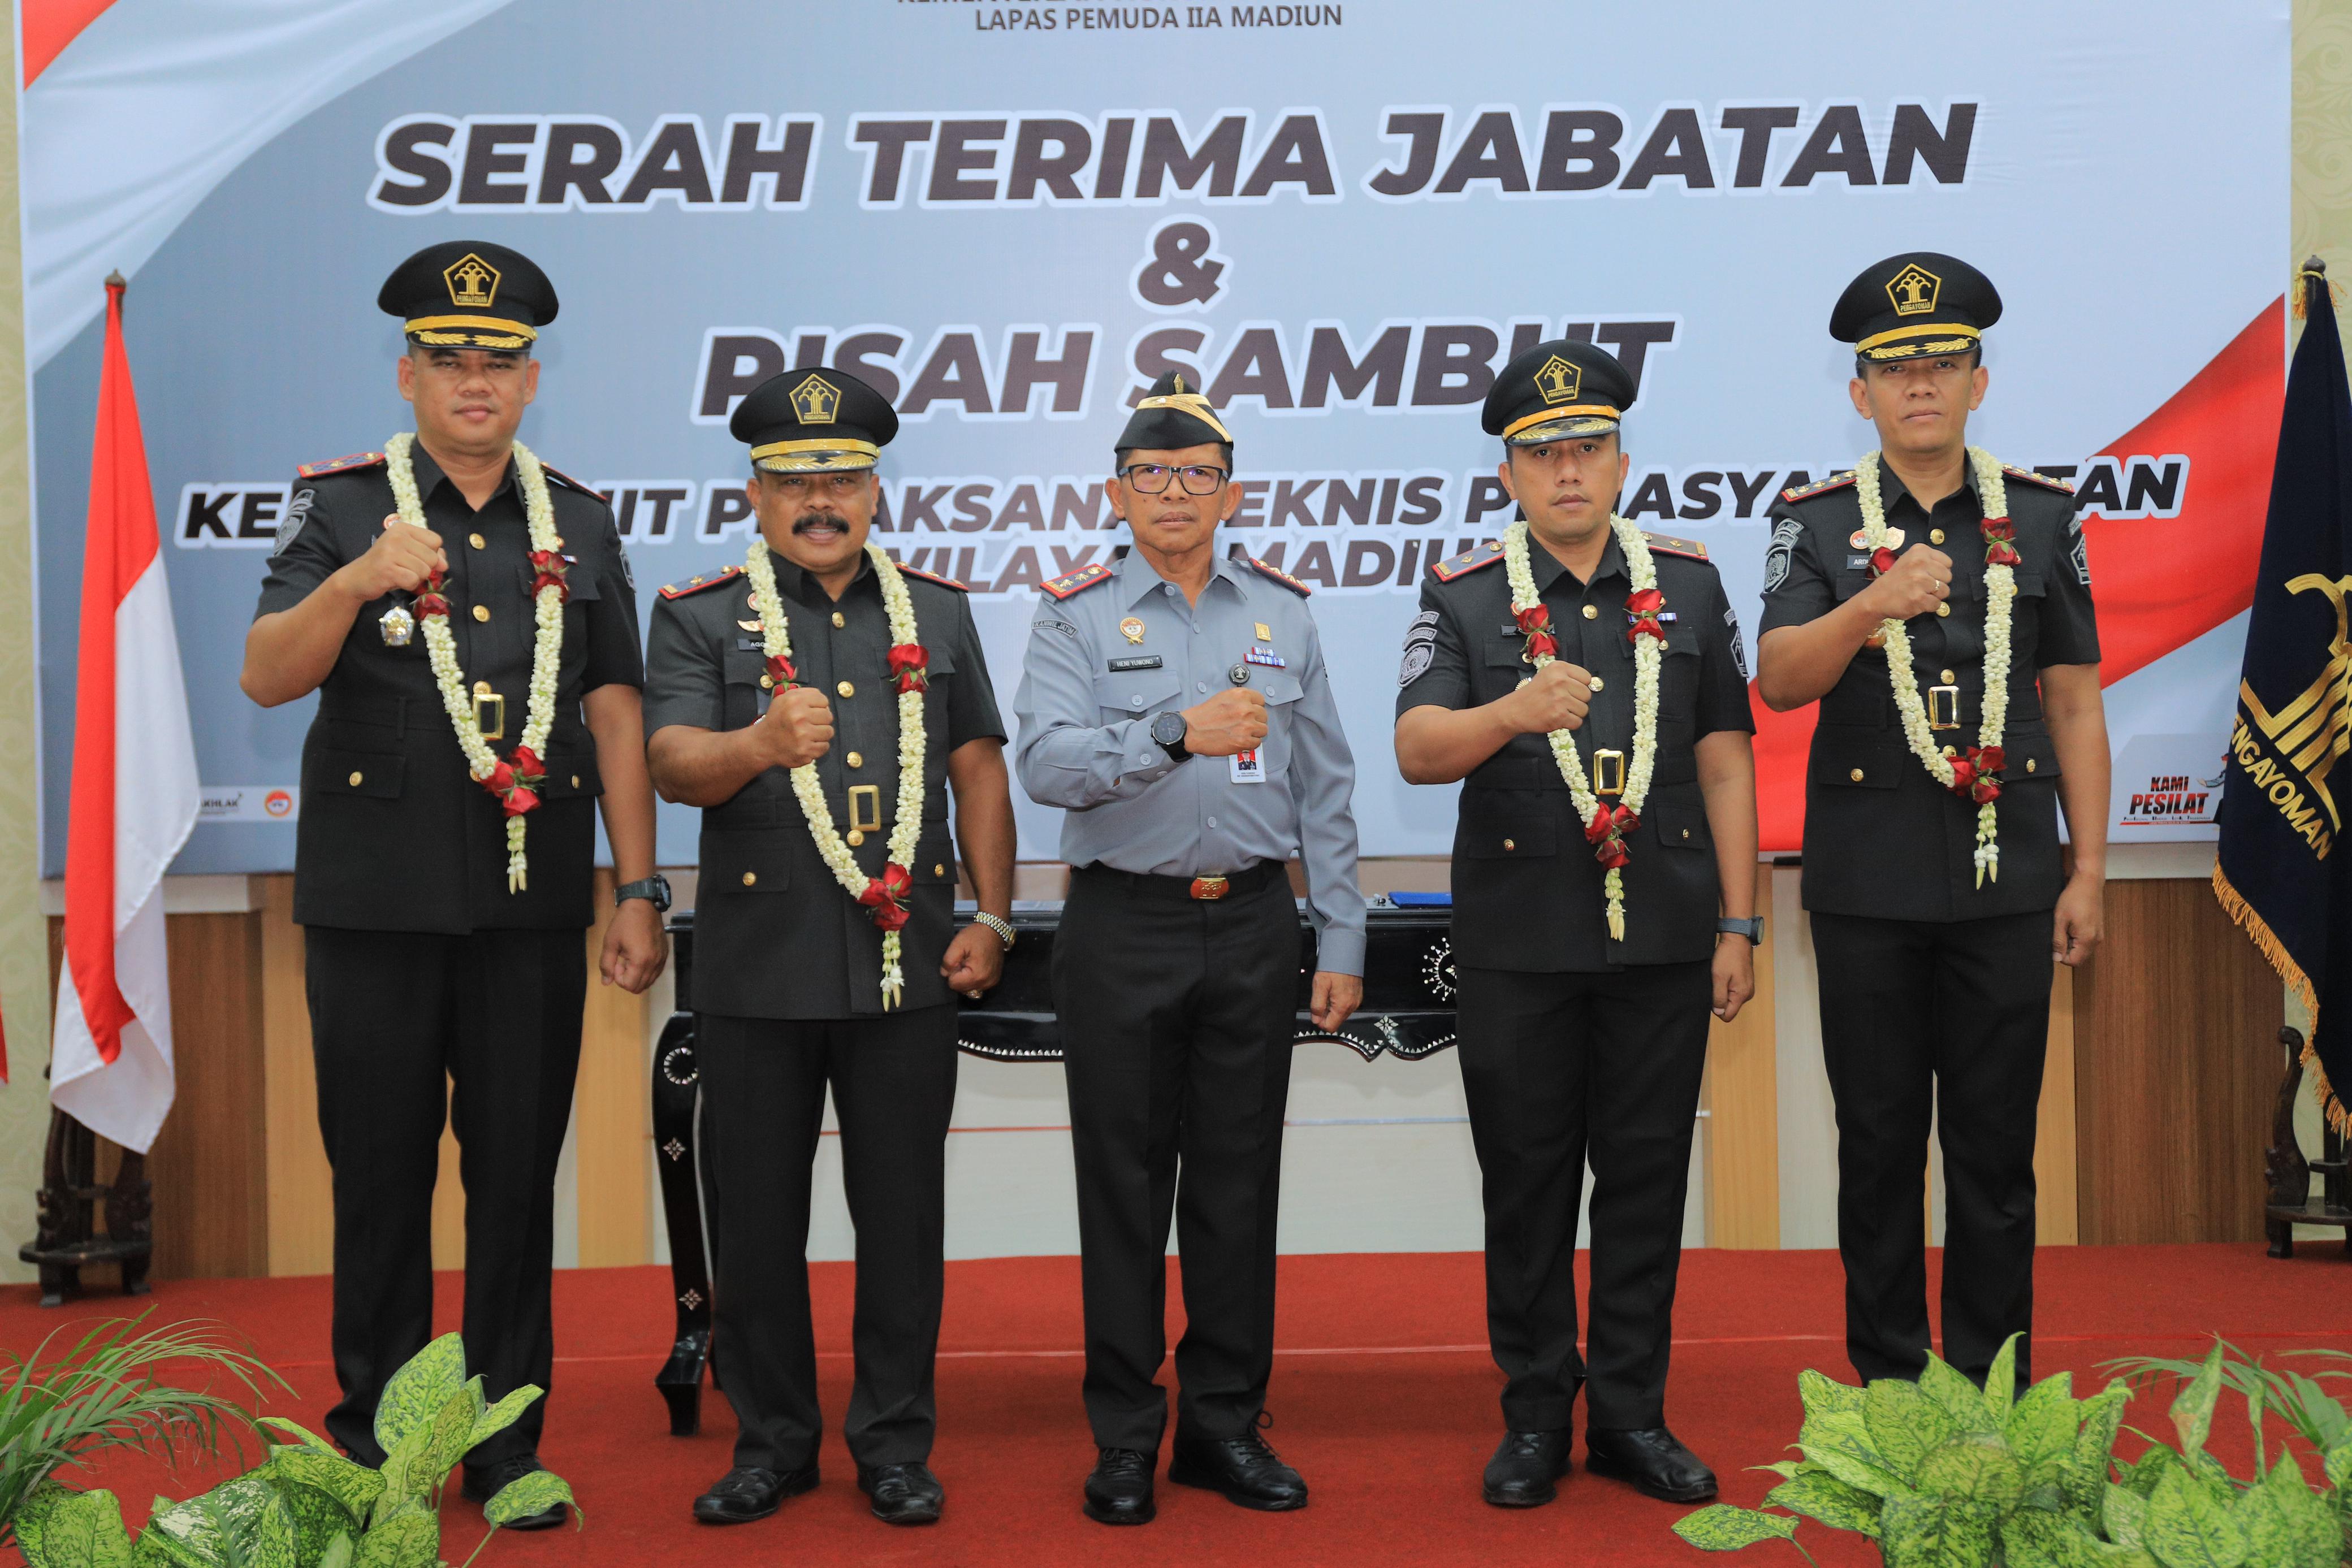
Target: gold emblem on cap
(473,282)
(1559,380)
(815,401)
(1913,290)
(1131,629)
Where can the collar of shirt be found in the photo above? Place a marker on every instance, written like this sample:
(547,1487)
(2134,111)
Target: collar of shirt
(1547,570)
(794,582)
(430,479)
(1137,577)
(1892,493)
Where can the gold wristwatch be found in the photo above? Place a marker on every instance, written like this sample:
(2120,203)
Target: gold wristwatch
(1004,929)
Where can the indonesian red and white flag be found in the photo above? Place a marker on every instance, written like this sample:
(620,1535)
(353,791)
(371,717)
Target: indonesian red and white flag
(134,796)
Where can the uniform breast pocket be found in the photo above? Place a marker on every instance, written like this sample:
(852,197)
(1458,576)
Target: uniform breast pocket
(938,680)
(374,775)
(1848,756)
(743,699)
(1282,691)
(1135,693)
(745,864)
(2025,616)
(1678,676)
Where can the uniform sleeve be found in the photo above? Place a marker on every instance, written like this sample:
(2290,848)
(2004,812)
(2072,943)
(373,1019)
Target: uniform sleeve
(614,649)
(685,683)
(1065,754)
(2069,633)
(1322,778)
(972,694)
(304,556)
(1436,668)
(1722,668)
(1796,586)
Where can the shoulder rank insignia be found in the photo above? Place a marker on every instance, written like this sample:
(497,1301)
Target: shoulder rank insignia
(566,480)
(1279,575)
(1085,577)
(933,577)
(2063,486)
(1818,488)
(696,584)
(1487,554)
(1690,549)
(340,464)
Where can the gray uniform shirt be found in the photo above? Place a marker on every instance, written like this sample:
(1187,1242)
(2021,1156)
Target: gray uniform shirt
(1089,691)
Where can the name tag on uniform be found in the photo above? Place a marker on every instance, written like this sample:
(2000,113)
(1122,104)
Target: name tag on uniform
(1857,563)
(1247,767)
(1144,661)
(1266,656)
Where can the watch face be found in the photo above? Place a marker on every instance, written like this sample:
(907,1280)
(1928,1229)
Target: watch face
(1168,728)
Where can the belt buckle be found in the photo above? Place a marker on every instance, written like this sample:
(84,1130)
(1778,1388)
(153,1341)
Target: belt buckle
(1943,708)
(489,712)
(1210,887)
(1609,773)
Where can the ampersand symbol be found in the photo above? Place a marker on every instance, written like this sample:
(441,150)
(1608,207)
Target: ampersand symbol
(1180,271)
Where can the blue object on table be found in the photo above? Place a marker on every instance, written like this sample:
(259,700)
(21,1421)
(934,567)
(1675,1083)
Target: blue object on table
(1421,899)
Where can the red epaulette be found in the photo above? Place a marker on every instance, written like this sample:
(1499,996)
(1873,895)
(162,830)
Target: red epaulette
(1279,576)
(561,478)
(696,584)
(1819,487)
(340,464)
(1077,581)
(933,577)
(1690,549)
(2049,482)
(1487,554)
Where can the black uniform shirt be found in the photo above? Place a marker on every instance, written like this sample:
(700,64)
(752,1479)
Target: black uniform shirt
(775,935)
(1882,839)
(1528,894)
(394,834)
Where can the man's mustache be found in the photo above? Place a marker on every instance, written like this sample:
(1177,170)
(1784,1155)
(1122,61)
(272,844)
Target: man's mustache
(820,519)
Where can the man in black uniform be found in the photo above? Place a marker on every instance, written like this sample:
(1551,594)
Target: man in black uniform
(438,938)
(1937,898)
(791,972)
(1596,923)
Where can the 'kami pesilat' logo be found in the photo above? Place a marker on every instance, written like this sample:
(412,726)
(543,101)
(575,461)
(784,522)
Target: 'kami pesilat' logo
(1913,290)
(815,401)
(473,282)
(1558,380)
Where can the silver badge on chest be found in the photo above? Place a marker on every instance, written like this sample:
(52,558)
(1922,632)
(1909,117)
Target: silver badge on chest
(398,626)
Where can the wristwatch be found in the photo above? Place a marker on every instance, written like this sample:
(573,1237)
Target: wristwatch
(1167,734)
(1752,928)
(1004,929)
(654,890)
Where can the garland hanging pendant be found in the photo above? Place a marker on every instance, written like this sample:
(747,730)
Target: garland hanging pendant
(1605,826)
(885,896)
(516,780)
(1974,775)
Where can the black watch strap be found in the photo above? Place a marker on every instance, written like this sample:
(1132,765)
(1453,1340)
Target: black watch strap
(1752,928)
(654,890)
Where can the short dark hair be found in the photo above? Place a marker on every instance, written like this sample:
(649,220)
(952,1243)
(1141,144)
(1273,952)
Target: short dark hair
(1224,455)
(1863,362)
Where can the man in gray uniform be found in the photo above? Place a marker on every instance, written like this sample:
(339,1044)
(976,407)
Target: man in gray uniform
(1177,704)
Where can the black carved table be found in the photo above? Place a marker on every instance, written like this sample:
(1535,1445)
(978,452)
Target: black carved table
(1407,1011)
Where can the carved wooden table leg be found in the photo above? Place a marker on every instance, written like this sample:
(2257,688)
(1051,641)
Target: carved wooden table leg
(2284,1166)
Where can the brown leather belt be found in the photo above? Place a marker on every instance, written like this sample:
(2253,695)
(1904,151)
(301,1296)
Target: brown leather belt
(1205,889)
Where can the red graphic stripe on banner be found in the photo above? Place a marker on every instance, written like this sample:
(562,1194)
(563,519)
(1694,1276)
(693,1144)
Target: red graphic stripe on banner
(50,25)
(2159,582)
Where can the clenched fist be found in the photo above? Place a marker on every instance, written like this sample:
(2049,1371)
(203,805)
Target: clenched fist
(1920,578)
(1557,698)
(796,729)
(1232,722)
(402,558)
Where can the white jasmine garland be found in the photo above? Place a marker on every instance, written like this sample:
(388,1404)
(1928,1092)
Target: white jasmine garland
(441,646)
(776,640)
(1648,655)
(2000,590)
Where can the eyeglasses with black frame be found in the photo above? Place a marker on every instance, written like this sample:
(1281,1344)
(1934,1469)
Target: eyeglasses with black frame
(1151,478)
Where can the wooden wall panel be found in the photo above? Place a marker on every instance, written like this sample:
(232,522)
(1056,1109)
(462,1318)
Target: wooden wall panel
(612,1115)
(302,1195)
(2174,1071)
(1743,1120)
(2057,1218)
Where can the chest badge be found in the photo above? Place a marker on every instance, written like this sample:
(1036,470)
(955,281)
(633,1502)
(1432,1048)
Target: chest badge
(748,625)
(1894,539)
(1133,629)
(398,626)
(1238,675)
(1266,656)
(1264,633)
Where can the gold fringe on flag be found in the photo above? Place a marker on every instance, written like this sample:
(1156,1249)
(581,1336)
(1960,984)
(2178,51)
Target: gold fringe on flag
(2314,267)
(2234,905)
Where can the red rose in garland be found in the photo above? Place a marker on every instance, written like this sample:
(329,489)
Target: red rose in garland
(1644,604)
(886,896)
(910,662)
(1536,621)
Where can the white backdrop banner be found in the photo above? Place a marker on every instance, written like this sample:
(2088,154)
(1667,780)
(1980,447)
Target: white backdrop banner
(1010,215)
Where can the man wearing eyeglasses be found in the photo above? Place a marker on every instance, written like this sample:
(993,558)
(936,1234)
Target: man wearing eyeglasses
(1175,703)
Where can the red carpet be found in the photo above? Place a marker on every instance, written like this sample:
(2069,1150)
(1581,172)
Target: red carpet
(1384,1397)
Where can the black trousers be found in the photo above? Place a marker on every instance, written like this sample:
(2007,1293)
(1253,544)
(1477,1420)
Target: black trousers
(1177,1018)
(397,1017)
(763,1086)
(1947,1019)
(1559,1069)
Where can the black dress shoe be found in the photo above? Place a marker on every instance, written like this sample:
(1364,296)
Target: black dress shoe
(1654,1459)
(903,1494)
(482,1484)
(747,1492)
(1120,1490)
(1524,1469)
(1244,1468)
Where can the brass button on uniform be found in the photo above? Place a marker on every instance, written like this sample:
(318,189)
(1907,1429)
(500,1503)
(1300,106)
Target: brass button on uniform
(1935,535)
(355,779)
(1944,608)
(854,837)
(767,681)
(938,871)
(855,760)
(1596,683)
(751,879)
(1510,843)
(476,542)
(575,781)
(1855,775)
(846,689)
(481,612)
(837,619)
(2029,765)
(1591,613)
(1686,832)
(1946,677)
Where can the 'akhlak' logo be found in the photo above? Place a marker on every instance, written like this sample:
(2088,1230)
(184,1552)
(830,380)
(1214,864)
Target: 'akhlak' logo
(816,399)
(1558,380)
(1914,290)
(473,282)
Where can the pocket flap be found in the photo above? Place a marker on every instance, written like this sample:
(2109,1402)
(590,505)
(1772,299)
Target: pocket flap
(1137,691)
(2030,754)
(1681,825)
(1855,759)
(736,863)
(1495,825)
(1278,686)
(572,774)
(375,774)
